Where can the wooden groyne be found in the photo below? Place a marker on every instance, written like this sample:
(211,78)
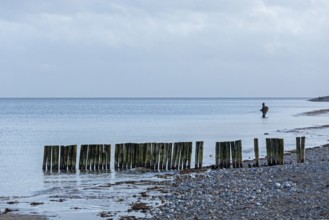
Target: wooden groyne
(153,156)
(95,157)
(63,159)
(228,154)
(160,156)
(274,151)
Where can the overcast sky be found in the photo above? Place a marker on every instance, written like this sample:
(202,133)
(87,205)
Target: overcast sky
(164,48)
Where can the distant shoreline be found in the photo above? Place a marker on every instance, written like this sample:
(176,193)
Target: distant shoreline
(320,99)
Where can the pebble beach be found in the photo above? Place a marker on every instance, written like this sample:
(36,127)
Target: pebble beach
(290,191)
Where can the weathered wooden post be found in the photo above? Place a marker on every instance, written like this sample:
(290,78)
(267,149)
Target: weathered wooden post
(268,151)
(108,156)
(169,156)
(221,154)
(62,159)
(45,158)
(199,154)
(298,149)
(152,155)
(174,162)
(82,160)
(281,145)
(217,149)
(302,149)
(226,154)
(161,147)
(240,157)
(189,156)
(55,158)
(256,150)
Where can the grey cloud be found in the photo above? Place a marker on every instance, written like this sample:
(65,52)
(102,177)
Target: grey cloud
(189,44)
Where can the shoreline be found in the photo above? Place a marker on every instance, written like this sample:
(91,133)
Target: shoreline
(211,193)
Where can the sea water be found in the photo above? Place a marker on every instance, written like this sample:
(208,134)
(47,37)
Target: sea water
(27,125)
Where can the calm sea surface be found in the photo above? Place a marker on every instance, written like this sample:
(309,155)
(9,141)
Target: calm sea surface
(27,125)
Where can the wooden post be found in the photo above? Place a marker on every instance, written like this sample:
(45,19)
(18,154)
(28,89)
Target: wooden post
(268,152)
(165,156)
(55,158)
(189,157)
(174,157)
(152,157)
(218,155)
(124,156)
(116,150)
(179,155)
(234,155)
(183,156)
(82,160)
(74,157)
(196,156)
(228,150)
(302,149)
(200,155)
(169,156)
(100,156)
(298,149)
(108,156)
(156,156)
(161,148)
(61,164)
(256,150)
(49,150)
(65,158)
(281,146)
(240,154)
(45,158)
(221,155)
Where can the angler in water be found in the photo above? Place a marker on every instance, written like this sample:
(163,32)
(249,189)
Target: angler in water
(264,110)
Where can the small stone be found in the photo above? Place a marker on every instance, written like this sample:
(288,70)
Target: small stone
(286,184)
(277,185)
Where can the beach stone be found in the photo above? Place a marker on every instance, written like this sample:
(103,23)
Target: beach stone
(277,185)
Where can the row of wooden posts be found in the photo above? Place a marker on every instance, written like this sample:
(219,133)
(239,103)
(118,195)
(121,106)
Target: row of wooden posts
(160,156)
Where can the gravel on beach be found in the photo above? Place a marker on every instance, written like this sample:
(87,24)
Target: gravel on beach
(290,191)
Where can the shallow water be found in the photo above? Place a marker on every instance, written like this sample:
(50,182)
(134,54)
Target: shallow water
(26,125)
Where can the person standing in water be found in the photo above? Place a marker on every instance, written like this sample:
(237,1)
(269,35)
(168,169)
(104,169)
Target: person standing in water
(264,110)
